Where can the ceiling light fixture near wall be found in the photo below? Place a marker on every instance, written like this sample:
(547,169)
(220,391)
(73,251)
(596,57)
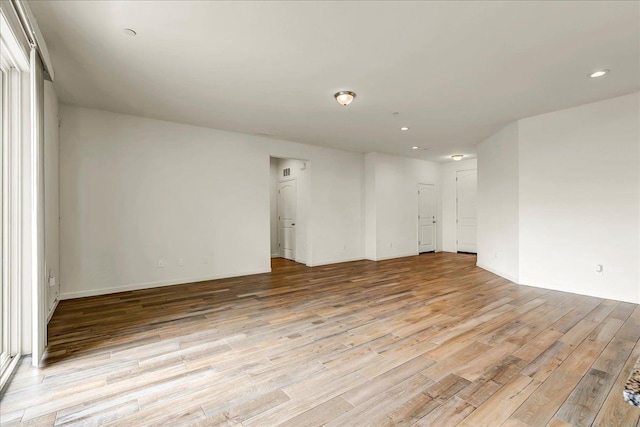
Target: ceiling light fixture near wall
(344,97)
(457,157)
(129,32)
(414,147)
(404,128)
(599,73)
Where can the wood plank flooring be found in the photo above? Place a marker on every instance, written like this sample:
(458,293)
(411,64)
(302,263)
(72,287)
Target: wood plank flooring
(429,340)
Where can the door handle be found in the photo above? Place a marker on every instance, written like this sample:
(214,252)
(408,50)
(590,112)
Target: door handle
(434,222)
(293,224)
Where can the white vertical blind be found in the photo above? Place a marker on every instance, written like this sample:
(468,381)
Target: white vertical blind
(37,175)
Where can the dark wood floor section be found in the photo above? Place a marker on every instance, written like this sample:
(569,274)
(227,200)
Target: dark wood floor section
(429,340)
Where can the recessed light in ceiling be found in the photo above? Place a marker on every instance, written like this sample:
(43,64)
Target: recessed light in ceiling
(598,73)
(129,32)
(457,157)
(344,97)
(404,128)
(414,147)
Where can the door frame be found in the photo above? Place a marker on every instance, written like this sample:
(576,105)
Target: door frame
(435,209)
(280,246)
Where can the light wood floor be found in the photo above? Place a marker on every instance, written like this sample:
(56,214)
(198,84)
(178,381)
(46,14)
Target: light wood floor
(425,340)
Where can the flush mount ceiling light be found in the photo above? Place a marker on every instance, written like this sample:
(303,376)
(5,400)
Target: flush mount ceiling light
(457,157)
(414,148)
(598,73)
(404,128)
(344,97)
(129,32)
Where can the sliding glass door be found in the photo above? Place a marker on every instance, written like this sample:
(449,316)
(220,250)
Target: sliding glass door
(5,296)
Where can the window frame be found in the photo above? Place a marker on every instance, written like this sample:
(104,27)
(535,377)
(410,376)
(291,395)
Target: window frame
(14,66)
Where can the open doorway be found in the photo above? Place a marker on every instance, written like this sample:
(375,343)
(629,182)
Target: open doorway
(289,209)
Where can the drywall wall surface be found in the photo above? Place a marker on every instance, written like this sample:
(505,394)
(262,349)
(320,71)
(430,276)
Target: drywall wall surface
(448,201)
(579,204)
(396,195)
(498,203)
(370,207)
(149,203)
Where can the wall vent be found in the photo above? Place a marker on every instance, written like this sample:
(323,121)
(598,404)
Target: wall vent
(286,172)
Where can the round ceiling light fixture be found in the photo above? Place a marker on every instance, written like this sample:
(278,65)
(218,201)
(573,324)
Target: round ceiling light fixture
(129,32)
(414,147)
(344,97)
(457,157)
(599,73)
(404,128)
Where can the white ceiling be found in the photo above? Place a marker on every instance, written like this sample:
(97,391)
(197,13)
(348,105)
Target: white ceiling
(455,71)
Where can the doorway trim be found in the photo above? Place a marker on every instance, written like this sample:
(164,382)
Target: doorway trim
(303,207)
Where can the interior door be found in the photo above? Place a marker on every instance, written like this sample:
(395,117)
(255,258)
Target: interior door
(287,191)
(466,188)
(426,218)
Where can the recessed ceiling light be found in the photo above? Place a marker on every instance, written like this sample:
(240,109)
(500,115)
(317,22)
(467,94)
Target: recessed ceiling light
(404,128)
(598,73)
(344,97)
(457,157)
(129,32)
(414,147)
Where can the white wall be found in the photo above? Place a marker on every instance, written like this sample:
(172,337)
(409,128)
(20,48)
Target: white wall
(134,191)
(273,205)
(370,206)
(498,203)
(51,195)
(395,180)
(558,194)
(448,201)
(579,204)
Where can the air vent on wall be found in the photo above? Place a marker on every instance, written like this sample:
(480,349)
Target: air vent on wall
(286,172)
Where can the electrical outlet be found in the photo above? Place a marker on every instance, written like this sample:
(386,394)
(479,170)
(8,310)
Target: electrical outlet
(181,262)
(205,260)
(599,269)
(160,263)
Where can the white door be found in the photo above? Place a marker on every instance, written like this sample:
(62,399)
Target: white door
(466,187)
(287,219)
(426,218)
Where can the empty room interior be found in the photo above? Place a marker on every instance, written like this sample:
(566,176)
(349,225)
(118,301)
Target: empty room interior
(320,213)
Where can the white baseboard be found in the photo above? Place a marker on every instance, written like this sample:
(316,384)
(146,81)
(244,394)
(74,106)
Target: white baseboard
(337,261)
(275,255)
(623,298)
(53,309)
(396,256)
(159,284)
(499,273)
